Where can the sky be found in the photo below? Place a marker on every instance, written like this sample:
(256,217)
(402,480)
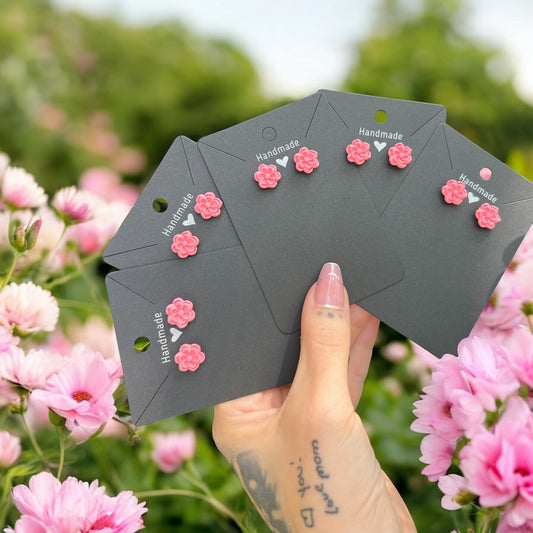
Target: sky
(300,46)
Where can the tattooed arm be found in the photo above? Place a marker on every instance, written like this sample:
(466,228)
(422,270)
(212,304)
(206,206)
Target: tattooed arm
(301,451)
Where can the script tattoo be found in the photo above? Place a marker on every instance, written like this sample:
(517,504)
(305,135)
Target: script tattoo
(331,508)
(263,494)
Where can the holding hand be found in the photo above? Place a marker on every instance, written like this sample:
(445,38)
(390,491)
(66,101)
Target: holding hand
(301,450)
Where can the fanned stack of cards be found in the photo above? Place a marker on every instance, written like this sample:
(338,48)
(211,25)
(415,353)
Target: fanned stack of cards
(222,245)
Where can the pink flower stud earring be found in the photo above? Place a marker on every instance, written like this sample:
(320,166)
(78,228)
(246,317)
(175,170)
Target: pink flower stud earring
(267,176)
(306,160)
(400,155)
(487,216)
(358,152)
(189,357)
(454,192)
(180,312)
(208,205)
(185,244)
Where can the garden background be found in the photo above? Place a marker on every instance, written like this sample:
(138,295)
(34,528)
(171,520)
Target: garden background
(82,94)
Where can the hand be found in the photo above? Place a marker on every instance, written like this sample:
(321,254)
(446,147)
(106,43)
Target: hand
(301,451)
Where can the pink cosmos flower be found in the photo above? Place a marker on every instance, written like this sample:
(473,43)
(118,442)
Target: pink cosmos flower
(454,192)
(19,189)
(437,453)
(74,205)
(171,449)
(82,393)
(74,506)
(208,205)
(451,486)
(9,449)
(107,185)
(28,307)
(185,244)
(306,160)
(487,216)
(358,152)
(189,357)
(30,371)
(180,312)
(267,176)
(400,155)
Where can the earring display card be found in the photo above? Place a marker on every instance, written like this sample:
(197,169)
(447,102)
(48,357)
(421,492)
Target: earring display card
(420,264)
(452,264)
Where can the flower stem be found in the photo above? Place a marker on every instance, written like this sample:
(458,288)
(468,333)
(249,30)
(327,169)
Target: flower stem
(219,506)
(61,437)
(487,521)
(33,440)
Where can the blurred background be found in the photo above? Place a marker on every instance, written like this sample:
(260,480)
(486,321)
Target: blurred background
(111,83)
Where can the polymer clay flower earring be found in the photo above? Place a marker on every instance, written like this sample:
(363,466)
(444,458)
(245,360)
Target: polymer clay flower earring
(487,216)
(454,192)
(208,205)
(185,244)
(358,152)
(189,357)
(267,176)
(306,160)
(400,155)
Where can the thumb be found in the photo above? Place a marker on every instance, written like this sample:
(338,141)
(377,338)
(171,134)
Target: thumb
(325,343)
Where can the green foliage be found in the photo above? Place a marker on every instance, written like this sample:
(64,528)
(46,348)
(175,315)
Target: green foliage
(427,55)
(78,91)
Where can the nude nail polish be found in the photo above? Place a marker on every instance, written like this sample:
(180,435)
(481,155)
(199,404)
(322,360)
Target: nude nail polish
(329,290)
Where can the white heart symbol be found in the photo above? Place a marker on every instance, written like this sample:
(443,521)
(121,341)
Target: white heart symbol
(472,198)
(379,145)
(176,334)
(283,162)
(189,221)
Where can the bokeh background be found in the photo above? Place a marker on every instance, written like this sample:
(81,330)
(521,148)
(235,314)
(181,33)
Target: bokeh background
(110,84)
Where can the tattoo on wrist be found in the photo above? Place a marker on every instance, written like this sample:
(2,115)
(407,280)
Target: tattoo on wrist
(262,493)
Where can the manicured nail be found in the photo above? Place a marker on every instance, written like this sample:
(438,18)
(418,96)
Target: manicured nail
(329,290)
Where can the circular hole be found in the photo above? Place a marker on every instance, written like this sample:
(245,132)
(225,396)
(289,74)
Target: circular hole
(160,205)
(380,116)
(142,344)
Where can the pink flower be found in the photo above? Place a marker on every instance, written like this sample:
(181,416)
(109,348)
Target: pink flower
(189,357)
(518,351)
(451,486)
(171,449)
(30,371)
(28,307)
(437,453)
(208,205)
(395,351)
(185,244)
(74,506)
(106,184)
(82,393)
(400,155)
(180,312)
(19,189)
(506,525)
(9,449)
(454,192)
(358,152)
(498,464)
(487,216)
(267,176)
(74,205)
(306,160)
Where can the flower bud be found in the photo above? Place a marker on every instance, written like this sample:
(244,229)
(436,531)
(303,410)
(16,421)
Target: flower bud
(32,233)
(18,239)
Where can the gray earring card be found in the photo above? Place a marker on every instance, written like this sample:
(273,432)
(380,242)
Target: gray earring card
(290,231)
(452,264)
(244,350)
(166,208)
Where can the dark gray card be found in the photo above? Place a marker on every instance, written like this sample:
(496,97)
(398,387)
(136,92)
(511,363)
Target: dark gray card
(382,123)
(452,264)
(289,231)
(244,350)
(166,208)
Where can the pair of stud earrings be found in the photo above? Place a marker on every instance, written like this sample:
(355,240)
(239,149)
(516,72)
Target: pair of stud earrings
(180,313)
(305,160)
(207,206)
(487,215)
(358,152)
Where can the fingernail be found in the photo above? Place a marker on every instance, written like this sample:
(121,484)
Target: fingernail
(329,290)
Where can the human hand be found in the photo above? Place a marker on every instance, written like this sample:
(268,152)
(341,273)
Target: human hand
(301,450)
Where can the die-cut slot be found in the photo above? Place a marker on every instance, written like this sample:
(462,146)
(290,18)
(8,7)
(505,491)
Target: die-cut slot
(381,116)
(141,344)
(160,205)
